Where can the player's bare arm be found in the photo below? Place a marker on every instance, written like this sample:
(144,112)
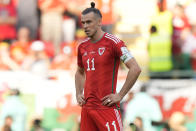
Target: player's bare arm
(79,84)
(133,73)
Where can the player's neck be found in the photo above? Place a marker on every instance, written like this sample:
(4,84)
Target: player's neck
(98,35)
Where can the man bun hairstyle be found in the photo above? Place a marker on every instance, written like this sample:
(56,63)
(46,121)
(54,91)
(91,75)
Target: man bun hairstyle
(92,9)
(92,4)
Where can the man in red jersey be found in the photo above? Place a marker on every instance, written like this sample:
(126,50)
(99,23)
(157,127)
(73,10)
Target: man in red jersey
(98,61)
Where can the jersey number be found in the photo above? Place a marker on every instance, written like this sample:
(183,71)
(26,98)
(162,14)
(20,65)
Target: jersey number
(92,63)
(108,126)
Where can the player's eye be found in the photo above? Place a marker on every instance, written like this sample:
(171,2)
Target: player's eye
(88,22)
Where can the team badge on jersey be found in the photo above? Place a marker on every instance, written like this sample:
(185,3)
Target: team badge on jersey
(101,50)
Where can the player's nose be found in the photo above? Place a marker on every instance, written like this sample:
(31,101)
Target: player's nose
(85,26)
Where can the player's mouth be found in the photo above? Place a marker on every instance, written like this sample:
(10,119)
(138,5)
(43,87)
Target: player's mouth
(87,31)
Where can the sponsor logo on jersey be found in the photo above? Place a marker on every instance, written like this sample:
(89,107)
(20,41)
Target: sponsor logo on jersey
(101,50)
(92,52)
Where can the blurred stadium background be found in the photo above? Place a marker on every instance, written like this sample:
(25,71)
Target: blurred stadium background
(38,47)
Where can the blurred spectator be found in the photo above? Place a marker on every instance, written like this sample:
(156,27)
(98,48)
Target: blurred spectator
(67,57)
(189,48)
(37,62)
(51,21)
(177,122)
(69,28)
(159,46)
(23,39)
(20,48)
(180,29)
(37,125)
(159,49)
(6,62)
(163,19)
(15,108)
(8,123)
(150,111)
(7,20)
(70,20)
(192,40)
(64,59)
(18,55)
(28,16)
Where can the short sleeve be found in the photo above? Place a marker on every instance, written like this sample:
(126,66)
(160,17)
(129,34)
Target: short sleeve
(122,52)
(79,58)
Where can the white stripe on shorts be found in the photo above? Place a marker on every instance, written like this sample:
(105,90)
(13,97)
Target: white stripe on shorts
(118,119)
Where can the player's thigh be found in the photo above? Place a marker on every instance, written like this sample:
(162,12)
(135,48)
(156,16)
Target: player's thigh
(87,124)
(108,120)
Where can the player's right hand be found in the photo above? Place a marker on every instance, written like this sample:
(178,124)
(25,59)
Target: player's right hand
(80,99)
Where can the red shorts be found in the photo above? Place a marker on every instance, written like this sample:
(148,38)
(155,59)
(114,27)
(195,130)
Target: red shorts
(100,120)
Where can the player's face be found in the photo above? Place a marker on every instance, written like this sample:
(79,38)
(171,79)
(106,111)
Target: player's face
(90,24)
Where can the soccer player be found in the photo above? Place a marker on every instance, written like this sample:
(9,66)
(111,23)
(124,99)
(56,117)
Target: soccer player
(98,61)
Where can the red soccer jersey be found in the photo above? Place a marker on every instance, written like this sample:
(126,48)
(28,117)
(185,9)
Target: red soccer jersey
(100,61)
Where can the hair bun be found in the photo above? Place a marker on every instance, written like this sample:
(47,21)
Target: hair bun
(92,4)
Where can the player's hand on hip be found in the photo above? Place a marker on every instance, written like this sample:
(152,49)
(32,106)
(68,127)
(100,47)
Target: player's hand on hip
(80,99)
(111,99)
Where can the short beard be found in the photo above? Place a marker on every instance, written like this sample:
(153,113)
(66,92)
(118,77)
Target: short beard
(93,34)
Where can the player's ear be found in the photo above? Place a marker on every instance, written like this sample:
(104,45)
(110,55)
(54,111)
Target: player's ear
(100,22)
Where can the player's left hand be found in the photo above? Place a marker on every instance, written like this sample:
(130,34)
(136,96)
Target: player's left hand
(111,99)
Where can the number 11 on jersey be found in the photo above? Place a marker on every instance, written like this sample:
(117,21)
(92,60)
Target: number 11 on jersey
(108,126)
(92,64)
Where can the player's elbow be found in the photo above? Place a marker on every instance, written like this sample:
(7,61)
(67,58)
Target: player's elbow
(78,74)
(138,70)
(133,65)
